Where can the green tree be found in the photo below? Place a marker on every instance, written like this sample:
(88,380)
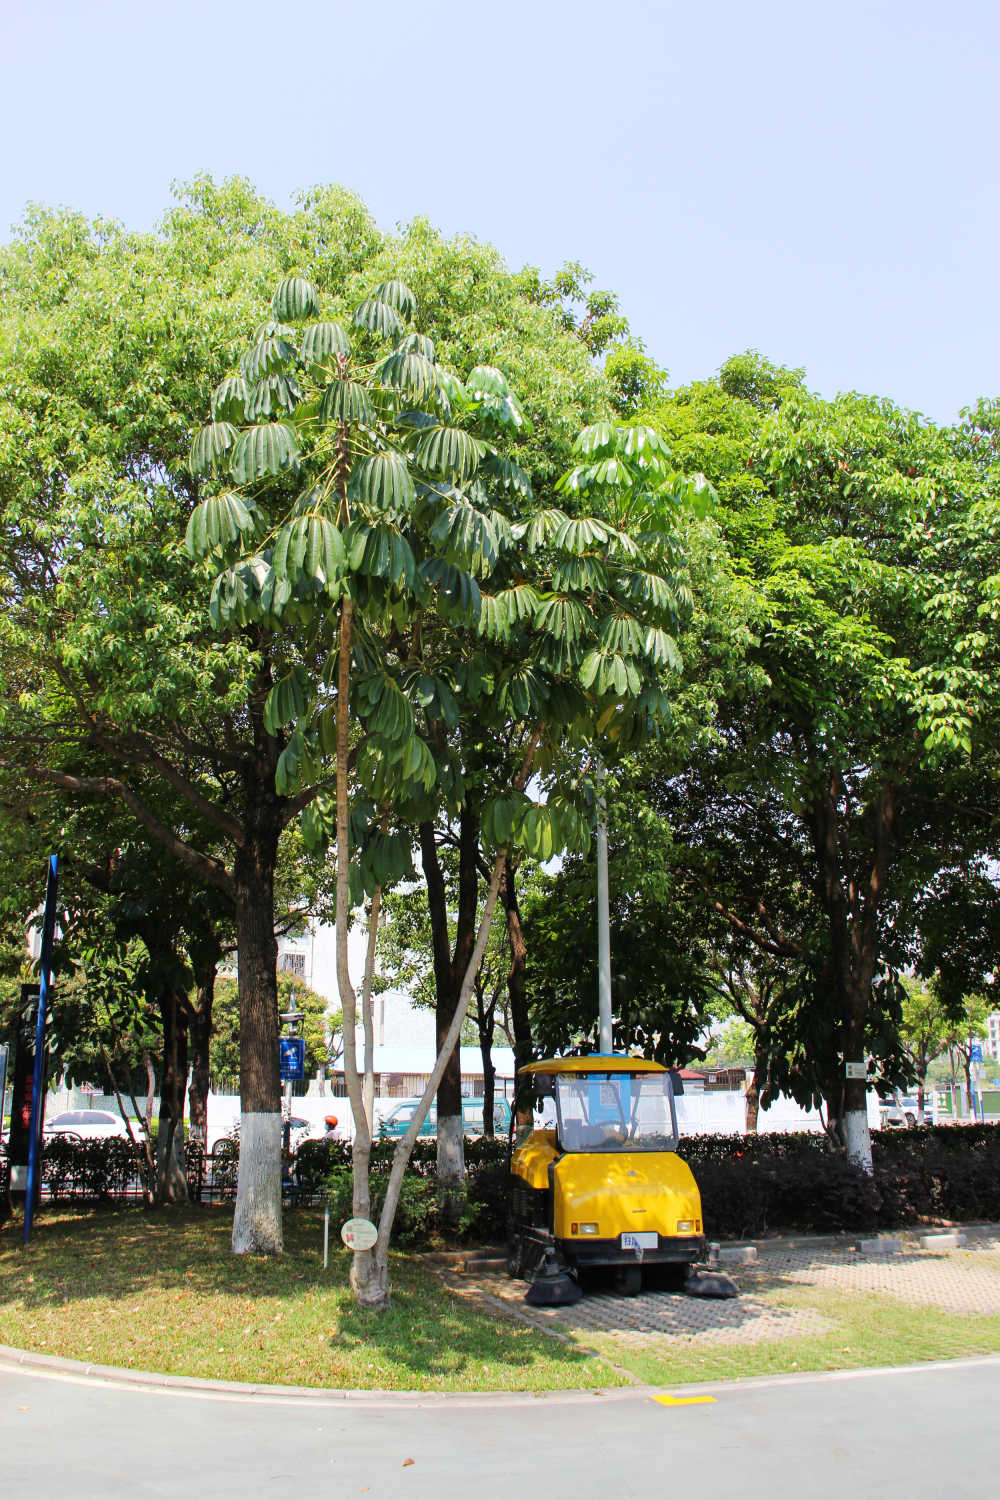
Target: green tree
(924,1030)
(397,509)
(117,685)
(852,742)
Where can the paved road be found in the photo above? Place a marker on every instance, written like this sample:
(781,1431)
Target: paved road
(925,1431)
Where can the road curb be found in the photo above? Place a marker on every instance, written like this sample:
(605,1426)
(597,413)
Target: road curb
(193,1385)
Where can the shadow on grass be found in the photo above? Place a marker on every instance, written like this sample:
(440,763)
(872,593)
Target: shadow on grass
(107,1255)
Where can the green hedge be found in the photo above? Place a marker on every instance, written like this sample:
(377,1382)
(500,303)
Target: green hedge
(750,1185)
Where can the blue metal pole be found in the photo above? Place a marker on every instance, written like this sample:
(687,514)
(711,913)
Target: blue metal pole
(45,968)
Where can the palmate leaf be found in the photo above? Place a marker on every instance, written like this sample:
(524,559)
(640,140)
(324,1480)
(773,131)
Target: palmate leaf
(587,574)
(398,296)
(269,354)
(558,655)
(217,522)
(380,551)
(566,619)
(413,374)
(450,392)
(416,343)
(450,452)
(236,593)
(505,472)
(487,380)
(309,545)
(432,694)
(383,482)
(271,448)
(458,592)
(488,387)
(646,445)
(271,394)
(577,536)
(286,702)
(211,445)
(467,537)
(647,588)
(620,544)
(661,648)
(521,691)
(379,318)
(608,672)
(392,716)
(416,421)
(601,440)
(295,298)
(346,401)
(501,612)
(298,764)
(622,633)
(542,527)
(324,342)
(229,400)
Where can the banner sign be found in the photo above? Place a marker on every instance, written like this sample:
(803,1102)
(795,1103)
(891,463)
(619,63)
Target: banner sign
(292,1057)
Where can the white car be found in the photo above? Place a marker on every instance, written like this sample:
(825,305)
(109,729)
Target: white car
(87,1125)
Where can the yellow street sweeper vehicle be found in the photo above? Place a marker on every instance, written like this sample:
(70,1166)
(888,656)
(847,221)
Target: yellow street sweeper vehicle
(595,1180)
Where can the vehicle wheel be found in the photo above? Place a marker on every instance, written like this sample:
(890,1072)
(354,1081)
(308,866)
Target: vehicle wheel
(628,1280)
(515,1257)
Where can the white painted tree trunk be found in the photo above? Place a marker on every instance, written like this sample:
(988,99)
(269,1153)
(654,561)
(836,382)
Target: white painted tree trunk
(857,1140)
(257,1222)
(450,1152)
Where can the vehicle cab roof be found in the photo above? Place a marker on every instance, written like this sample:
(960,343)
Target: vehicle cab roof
(594,1063)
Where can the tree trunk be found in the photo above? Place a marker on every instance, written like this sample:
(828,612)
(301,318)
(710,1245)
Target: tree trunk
(485,1020)
(852,909)
(200,1035)
(450,966)
(520,1017)
(854,1120)
(171,1168)
(257,1220)
(754,1089)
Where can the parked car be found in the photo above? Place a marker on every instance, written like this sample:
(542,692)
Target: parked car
(87,1125)
(397,1121)
(898,1109)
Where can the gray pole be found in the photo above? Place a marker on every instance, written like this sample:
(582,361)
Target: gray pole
(603,932)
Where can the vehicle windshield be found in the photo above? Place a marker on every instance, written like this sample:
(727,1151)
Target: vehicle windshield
(615,1112)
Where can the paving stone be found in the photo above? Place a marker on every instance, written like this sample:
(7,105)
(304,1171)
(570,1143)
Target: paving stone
(965,1281)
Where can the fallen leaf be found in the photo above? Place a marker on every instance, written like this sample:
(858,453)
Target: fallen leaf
(407,1462)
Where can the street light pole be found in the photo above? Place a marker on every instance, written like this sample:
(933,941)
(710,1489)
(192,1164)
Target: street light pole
(603,928)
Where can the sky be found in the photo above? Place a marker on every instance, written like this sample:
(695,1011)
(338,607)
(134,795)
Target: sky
(816,182)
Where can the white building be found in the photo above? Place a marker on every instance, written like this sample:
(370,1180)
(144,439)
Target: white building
(993,1030)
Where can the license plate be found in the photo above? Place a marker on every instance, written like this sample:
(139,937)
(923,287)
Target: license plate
(643,1240)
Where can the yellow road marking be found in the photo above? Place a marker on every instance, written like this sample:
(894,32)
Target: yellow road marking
(684,1400)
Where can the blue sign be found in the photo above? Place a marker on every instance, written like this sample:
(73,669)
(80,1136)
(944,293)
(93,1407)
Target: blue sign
(976,1053)
(292,1057)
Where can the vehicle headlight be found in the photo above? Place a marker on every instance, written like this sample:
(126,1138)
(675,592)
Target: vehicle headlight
(685,1226)
(585,1228)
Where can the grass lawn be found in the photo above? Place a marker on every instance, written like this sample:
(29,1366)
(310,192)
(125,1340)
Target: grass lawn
(162,1291)
(867,1331)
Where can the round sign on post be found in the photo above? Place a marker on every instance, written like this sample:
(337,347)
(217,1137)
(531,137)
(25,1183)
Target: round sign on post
(359,1234)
